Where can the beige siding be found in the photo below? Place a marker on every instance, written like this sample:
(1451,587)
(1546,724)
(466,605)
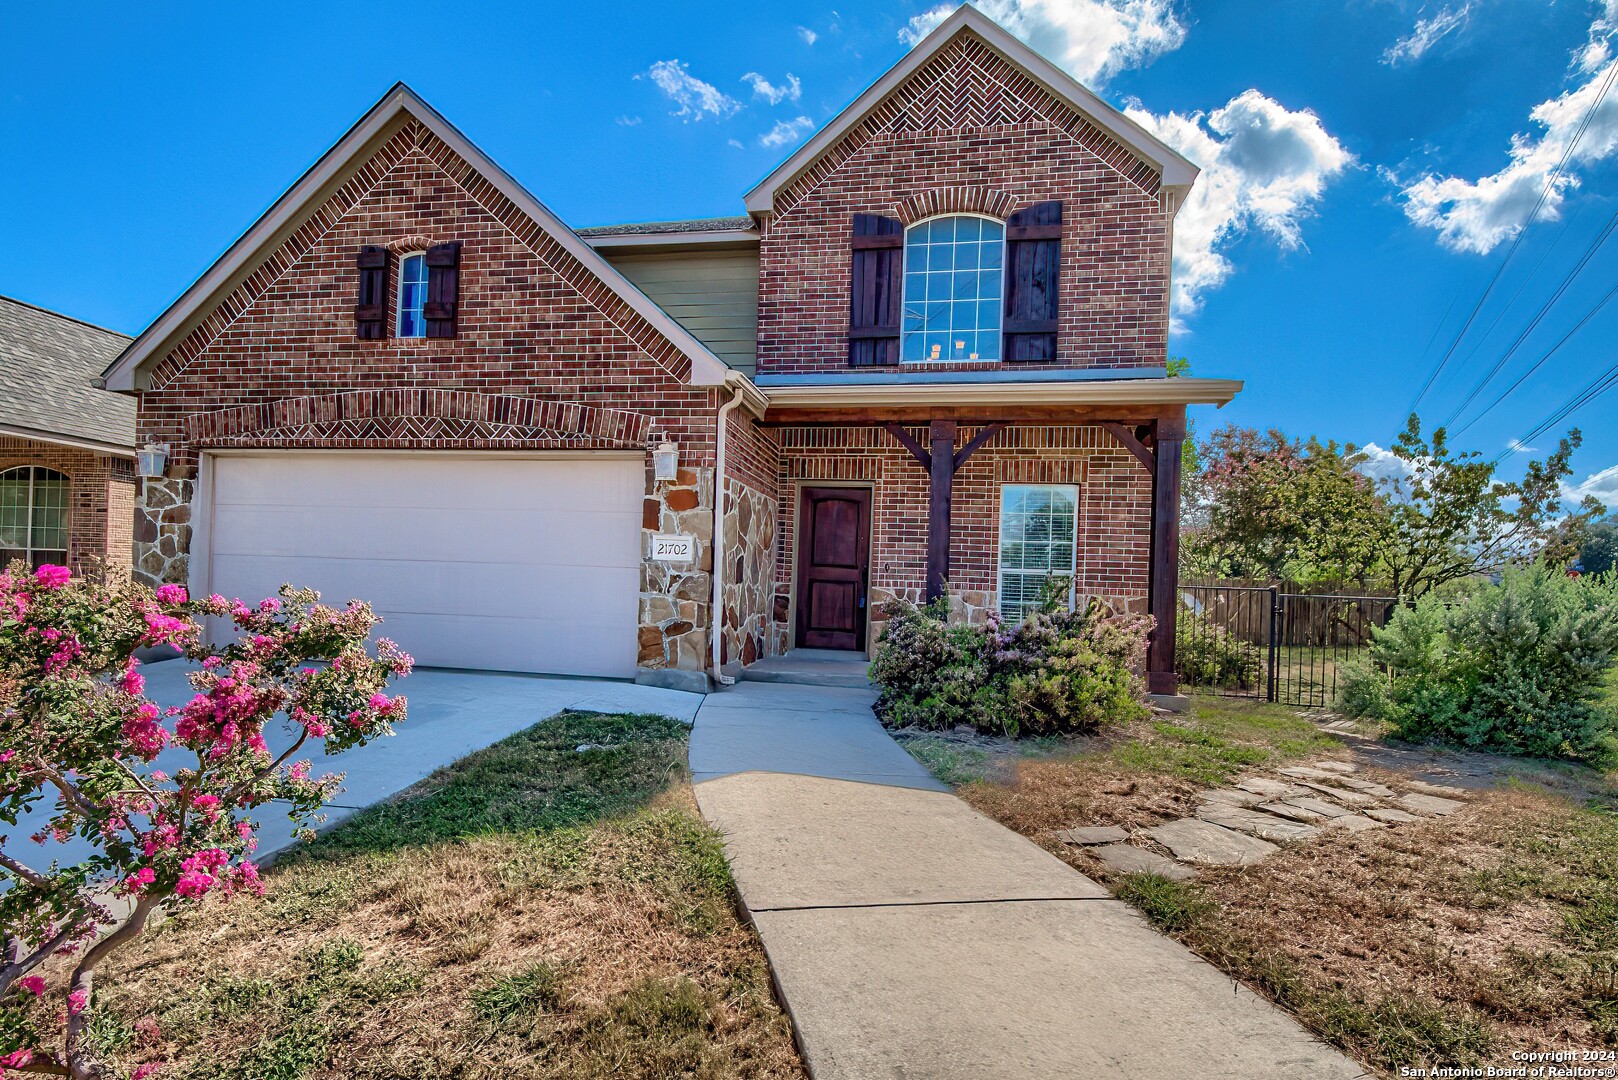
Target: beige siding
(712,294)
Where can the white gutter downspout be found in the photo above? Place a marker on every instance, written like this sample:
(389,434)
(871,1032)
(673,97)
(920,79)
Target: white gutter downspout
(716,614)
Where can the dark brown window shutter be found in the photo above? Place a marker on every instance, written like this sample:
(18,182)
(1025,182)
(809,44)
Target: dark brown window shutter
(877,292)
(371,306)
(443,289)
(1033,273)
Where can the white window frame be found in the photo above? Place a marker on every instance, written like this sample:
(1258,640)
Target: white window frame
(904,290)
(398,297)
(1000,541)
(28,546)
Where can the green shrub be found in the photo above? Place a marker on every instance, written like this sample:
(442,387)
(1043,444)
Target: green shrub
(1207,654)
(1055,672)
(1520,668)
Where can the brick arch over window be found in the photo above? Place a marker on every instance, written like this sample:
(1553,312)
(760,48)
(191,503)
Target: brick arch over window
(955,200)
(406,244)
(419,419)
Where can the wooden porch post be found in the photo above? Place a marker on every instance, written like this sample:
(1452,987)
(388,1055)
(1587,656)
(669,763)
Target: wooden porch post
(941,436)
(1165,568)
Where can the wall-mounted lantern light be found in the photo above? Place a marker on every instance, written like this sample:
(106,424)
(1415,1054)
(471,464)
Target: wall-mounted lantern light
(153,460)
(666,461)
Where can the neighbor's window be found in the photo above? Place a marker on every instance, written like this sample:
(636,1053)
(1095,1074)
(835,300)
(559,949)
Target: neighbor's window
(952,293)
(412,295)
(1038,541)
(33,516)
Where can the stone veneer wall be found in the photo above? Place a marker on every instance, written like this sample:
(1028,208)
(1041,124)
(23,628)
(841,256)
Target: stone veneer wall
(748,632)
(163,530)
(100,502)
(1114,529)
(675,599)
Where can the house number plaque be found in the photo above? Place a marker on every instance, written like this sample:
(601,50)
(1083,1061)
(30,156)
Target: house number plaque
(674,547)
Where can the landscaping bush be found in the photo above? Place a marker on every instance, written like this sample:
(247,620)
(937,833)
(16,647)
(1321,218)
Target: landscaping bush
(1520,668)
(1207,654)
(1056,671)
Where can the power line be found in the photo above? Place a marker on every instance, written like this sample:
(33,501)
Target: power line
(1548,354)
(1603,382)
(1539,316)
(1516,242)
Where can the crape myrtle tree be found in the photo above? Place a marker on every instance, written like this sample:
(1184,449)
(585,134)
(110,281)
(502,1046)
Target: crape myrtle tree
(79,741)
(1270,507)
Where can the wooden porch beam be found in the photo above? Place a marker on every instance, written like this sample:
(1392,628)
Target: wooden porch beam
(989,431)
(1164,589)
(941,433)
(974,416)
(1128,440)
(910,444)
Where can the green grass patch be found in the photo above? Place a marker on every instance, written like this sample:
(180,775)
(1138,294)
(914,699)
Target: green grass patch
(1219,739)
(1171,906)
(534,989)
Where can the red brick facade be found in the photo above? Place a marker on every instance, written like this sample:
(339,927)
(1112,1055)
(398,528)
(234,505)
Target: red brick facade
(970,132)
(101,500)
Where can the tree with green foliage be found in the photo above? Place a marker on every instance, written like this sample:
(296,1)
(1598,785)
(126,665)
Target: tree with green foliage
(1599,552)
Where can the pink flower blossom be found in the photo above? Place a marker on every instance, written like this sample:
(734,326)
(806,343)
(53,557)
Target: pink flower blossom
(52,577)
(32,984)
(269,604)
(144,734)
(143,1071)
(78,1001)
(172,594)
(16,1060)
(133,682)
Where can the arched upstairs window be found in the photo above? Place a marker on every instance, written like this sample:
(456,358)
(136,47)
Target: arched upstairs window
(953,289)
(33,516)
(412,295)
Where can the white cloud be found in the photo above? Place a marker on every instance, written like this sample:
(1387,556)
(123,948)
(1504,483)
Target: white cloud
(1603,485)
(1517,446)
(1382,465)
(809,36)
(628,121)
(1426,34)
(1264,168)
(737,143)
(786,132)
(791,90)
(694,97)
(1476,215)
(1093,39)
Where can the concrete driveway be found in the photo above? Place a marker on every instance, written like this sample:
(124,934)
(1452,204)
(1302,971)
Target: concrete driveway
(451,714)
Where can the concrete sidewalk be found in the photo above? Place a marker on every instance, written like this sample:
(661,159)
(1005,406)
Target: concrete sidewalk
(911,936)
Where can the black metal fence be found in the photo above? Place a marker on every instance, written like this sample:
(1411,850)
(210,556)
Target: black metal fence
(1268,643)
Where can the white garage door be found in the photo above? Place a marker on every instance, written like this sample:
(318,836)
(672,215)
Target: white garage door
(473,561)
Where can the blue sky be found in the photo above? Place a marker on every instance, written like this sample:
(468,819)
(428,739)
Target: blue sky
(1367,162)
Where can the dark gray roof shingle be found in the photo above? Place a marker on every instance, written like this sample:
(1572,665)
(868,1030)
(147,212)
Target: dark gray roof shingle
(48,364)
(647,228)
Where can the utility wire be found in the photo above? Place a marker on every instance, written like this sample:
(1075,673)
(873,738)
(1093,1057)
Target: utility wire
(1539,316)
(1516,242)
(1603,382)
(1588,315)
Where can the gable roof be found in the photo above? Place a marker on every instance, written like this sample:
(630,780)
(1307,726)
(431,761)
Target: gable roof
(48,368)
(305,196)
(1176,172)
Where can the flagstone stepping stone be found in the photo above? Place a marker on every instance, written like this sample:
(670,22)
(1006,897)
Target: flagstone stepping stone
(1263,826)
(1129,859)
(1391,816)
(1231,797)
(1381,791)
(1354,823)
(1207,844)
(1347,798)
(1303,772)
(1335,766)
(1319,806)
(1440,790)
(1272,789)
(1093,834)
(1295,813)
(1431,804)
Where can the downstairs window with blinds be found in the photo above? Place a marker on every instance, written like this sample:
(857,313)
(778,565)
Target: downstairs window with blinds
(1038,542)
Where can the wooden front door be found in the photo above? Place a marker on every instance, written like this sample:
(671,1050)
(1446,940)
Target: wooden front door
(834,543)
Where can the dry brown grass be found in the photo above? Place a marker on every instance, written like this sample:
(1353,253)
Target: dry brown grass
(606,947)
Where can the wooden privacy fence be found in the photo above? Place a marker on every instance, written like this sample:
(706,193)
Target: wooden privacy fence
(1270,643)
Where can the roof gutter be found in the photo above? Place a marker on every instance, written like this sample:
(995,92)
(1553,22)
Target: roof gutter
(1177,391)
(34,435)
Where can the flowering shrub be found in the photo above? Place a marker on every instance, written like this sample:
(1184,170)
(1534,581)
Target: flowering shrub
(1519,667)
(1207,654)
(78,743)
(1056,671)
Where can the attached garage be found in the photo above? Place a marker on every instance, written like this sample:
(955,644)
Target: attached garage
(486,561)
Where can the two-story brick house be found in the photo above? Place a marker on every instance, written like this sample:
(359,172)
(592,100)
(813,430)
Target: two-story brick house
(933,350)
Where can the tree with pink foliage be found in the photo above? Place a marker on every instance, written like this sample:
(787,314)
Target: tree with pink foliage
(78,747)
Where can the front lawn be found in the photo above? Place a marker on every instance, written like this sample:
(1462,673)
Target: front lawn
(1453,940)
(551,906)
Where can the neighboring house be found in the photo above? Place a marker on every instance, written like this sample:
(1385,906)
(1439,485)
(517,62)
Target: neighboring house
(67,449)
(932,350)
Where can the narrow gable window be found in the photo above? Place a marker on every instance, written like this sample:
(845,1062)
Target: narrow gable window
(412,295)
(1038,542)
(952,289)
